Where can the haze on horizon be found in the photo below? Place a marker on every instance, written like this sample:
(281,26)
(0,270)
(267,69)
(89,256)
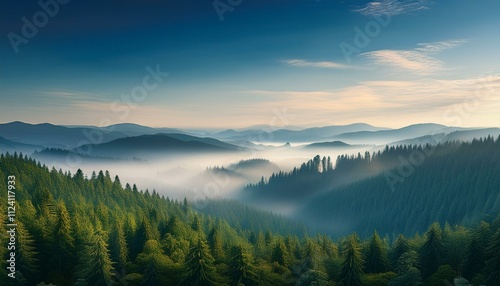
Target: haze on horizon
(274,64)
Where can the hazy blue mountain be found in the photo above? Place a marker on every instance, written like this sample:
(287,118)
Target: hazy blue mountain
(468,135)
(331,144)
(460,135)
(254,169)
(388,136)
(250,145)
(131,129)
(12,146)
(252,163)
(287,135)
(158,144)
(232,134)
(49,135)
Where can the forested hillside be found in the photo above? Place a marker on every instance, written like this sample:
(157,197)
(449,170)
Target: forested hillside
(402,189)
(457,183)
(73,230)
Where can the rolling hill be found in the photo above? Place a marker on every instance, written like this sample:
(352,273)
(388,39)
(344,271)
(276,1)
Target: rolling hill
(294,136)
(388,136)
(147,145)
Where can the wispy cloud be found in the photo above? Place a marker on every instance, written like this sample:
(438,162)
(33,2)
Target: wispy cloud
(289,93)
(323,64)
(392,7)
(386,101)
(419,60)
(437,47)
(69,96)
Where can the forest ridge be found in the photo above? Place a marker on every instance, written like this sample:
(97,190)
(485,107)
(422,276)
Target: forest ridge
(94,231)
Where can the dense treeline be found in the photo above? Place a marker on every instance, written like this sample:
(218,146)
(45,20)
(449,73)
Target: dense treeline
(73,230)
(401,189)
(458,184)
(246,217)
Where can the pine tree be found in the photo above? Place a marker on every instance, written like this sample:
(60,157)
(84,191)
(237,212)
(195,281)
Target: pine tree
(96,266)
(141,235)
(310,258)
(240,268)
(155,265)
(26,263)
(199,267)
(280,254)
(196,224)
(376,258)
(475,261)
(118,246)
(352,266)
(400,246)
(407,271)
(493,263)
(432,252)
(63,246)
(215,243)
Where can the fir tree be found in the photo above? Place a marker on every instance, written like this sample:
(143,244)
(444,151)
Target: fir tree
(376,258)
(199,267)
(400,246)
(352,266)
(432,252)
(280,254)
(63,246)
(96,266)
(493,263)
(241,270)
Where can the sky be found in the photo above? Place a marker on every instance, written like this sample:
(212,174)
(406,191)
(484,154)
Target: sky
(238,63)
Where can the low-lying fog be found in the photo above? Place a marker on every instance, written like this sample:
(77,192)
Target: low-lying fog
(189,175)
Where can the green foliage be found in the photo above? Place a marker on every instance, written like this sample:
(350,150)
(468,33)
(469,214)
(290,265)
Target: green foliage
(74,230)
(352,267)
(493,263)
(118,247)
(433,251)
(199,266)
(378,279)
(280,254)
(455,182)
(376,258)
(407,270)
(444,272)
(399,247)
(158,269)
(241,270)
(26,263)
(95,265)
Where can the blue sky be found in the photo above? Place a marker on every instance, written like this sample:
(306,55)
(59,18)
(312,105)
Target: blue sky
(413,61)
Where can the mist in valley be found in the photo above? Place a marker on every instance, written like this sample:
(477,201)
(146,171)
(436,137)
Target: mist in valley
(209,175)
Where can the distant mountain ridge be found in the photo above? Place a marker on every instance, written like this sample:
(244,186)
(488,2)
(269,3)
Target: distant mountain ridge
(12,146)
(158,143)
(294,136)
(338,144)
(392,135)
(48,135)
